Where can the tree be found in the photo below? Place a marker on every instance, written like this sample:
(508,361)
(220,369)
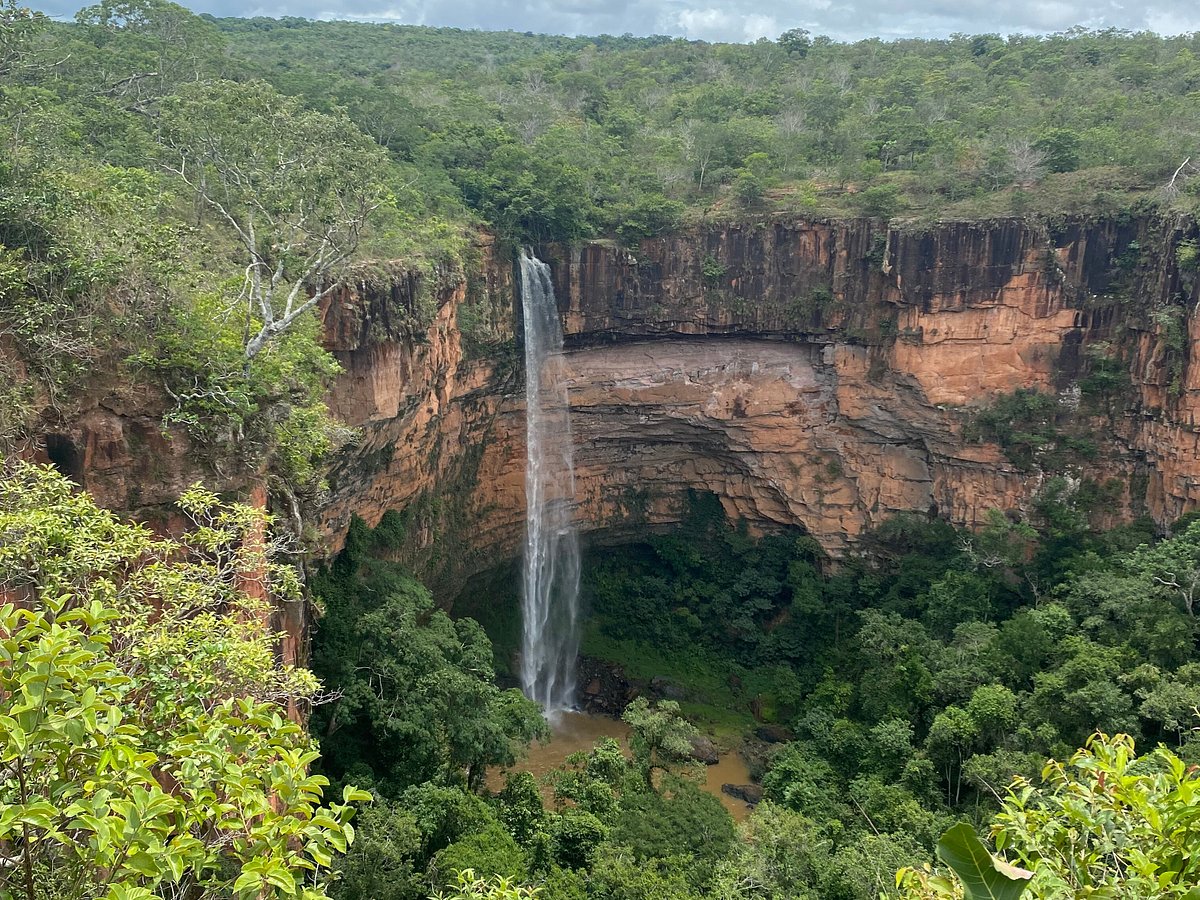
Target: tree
(951,738)
(144,742)
(418,700)
(618,874)
(19,29)
(384,862)
(295,187)
(780,856)
(1026,161)
(1172,700)
(1061,148)
(149,48)
(469,886)
(796,41)
(1105,824)
(681,821)
(1172,567)
(661,738)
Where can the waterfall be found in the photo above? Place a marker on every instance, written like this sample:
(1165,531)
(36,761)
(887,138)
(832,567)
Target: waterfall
(550,583)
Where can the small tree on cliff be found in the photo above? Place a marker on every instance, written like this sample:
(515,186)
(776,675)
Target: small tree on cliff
(294,186)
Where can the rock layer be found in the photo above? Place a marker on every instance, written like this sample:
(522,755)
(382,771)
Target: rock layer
(814,374)
(817,374)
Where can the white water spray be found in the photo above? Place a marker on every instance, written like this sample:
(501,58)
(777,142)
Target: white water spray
(550,595)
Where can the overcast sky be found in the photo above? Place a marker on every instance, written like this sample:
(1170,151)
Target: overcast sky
(735,20)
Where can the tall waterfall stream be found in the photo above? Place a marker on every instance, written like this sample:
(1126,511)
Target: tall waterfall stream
(550,576)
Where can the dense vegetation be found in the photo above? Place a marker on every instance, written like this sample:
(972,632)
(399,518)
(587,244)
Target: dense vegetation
(148,751)
(145,743)
(913,685)
(563,137)
(179,194)
(162,224)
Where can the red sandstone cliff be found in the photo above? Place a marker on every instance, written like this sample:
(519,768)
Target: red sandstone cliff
(810,373)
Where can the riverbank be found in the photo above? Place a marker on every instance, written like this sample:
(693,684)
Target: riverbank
(575,731)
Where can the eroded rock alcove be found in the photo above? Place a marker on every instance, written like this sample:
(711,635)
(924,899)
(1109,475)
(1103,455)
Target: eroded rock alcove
(813,374)
(818,374)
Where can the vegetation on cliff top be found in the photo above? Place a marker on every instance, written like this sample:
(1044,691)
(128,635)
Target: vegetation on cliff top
(178,193)
(567,137)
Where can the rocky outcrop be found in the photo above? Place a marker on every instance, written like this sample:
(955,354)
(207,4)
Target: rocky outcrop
(808,373)
(751,794)
(814,374)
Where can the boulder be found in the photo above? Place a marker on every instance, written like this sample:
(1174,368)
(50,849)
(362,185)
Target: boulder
(774,734)
(750,793)
(705,751)
(665,689)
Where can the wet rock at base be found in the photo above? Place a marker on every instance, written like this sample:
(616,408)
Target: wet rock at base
(750,793)
(705,751)
(774,734)
(606,689)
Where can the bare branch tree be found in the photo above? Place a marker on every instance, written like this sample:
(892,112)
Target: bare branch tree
(1186,171)
(294,187)
(1027,161)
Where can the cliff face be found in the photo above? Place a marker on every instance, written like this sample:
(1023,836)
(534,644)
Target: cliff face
(808,373)
(815,374)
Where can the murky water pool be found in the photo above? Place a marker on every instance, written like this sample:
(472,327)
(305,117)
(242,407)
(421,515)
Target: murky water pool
(573,731)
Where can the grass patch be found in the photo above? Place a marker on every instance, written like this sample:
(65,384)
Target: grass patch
(714,704)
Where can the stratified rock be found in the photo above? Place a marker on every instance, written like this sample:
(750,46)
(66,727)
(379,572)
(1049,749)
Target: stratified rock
(809,373)
(822,379)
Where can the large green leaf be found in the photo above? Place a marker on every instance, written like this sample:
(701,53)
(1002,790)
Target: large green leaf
(984,877)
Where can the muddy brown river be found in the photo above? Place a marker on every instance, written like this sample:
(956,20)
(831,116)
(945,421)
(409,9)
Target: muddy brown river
(575,731)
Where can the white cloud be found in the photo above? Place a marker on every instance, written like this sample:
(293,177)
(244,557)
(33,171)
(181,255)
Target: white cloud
(1173,20)
(758,26)
(739,20)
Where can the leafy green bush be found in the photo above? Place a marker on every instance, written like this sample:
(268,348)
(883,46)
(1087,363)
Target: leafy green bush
(145,708)
(1107,823)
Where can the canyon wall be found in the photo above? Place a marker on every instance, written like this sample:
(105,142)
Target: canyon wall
(820,374)
(812,373)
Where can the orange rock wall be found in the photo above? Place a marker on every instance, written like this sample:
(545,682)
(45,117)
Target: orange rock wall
(808,373)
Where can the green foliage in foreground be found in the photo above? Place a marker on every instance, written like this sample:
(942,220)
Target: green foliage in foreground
(147,749)
(983,876)
(1105,824)
(144,736)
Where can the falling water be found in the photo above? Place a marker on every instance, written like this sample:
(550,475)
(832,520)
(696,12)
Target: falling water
(550,597)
